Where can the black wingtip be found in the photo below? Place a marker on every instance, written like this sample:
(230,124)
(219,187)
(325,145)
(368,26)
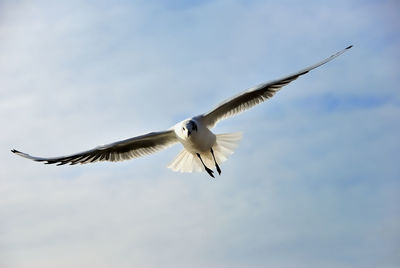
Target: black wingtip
(349,47)
(15,151)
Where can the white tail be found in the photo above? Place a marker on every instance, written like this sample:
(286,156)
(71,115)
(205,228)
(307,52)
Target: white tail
(225,145)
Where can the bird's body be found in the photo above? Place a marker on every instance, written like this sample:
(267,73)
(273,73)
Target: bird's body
(200,140)
(202,148)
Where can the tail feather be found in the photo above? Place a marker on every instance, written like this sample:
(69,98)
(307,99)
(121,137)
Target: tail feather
(185,161)
(225,145)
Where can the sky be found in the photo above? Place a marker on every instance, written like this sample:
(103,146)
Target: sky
(315,181)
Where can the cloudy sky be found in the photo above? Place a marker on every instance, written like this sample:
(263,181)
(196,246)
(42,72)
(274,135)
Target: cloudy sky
(315,181)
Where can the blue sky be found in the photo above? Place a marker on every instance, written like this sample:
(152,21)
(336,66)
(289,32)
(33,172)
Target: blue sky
(314,183)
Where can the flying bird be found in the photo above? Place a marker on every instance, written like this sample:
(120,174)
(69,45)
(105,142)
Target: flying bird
(202,149)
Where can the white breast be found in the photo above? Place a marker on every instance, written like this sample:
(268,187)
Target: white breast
(199,141)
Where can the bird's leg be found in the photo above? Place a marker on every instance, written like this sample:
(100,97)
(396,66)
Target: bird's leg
(209,171)
(215,161)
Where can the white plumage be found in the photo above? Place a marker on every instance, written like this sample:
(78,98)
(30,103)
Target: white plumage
(202,148)
(225,145)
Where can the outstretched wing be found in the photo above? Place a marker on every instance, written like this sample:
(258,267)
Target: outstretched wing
(117,151)
(256,95)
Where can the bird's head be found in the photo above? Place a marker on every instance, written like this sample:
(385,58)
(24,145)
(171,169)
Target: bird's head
(188,127)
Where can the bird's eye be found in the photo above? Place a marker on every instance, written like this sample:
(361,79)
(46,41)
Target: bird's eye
(183,128)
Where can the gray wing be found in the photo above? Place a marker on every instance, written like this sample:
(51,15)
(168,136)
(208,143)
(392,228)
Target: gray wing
(256,95)
(117,151)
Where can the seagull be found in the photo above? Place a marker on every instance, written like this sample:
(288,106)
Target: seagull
(202,149)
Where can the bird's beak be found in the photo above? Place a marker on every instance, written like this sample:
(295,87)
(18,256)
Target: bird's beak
(189,133)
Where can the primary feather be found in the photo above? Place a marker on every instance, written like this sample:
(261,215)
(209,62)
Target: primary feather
(117,151)
(256,95)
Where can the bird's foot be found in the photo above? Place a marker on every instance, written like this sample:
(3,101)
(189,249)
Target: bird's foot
(215,161)
(210,172)
(218,169)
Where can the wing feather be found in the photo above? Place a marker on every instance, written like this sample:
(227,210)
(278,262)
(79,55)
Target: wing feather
(117,151)
(256,95)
